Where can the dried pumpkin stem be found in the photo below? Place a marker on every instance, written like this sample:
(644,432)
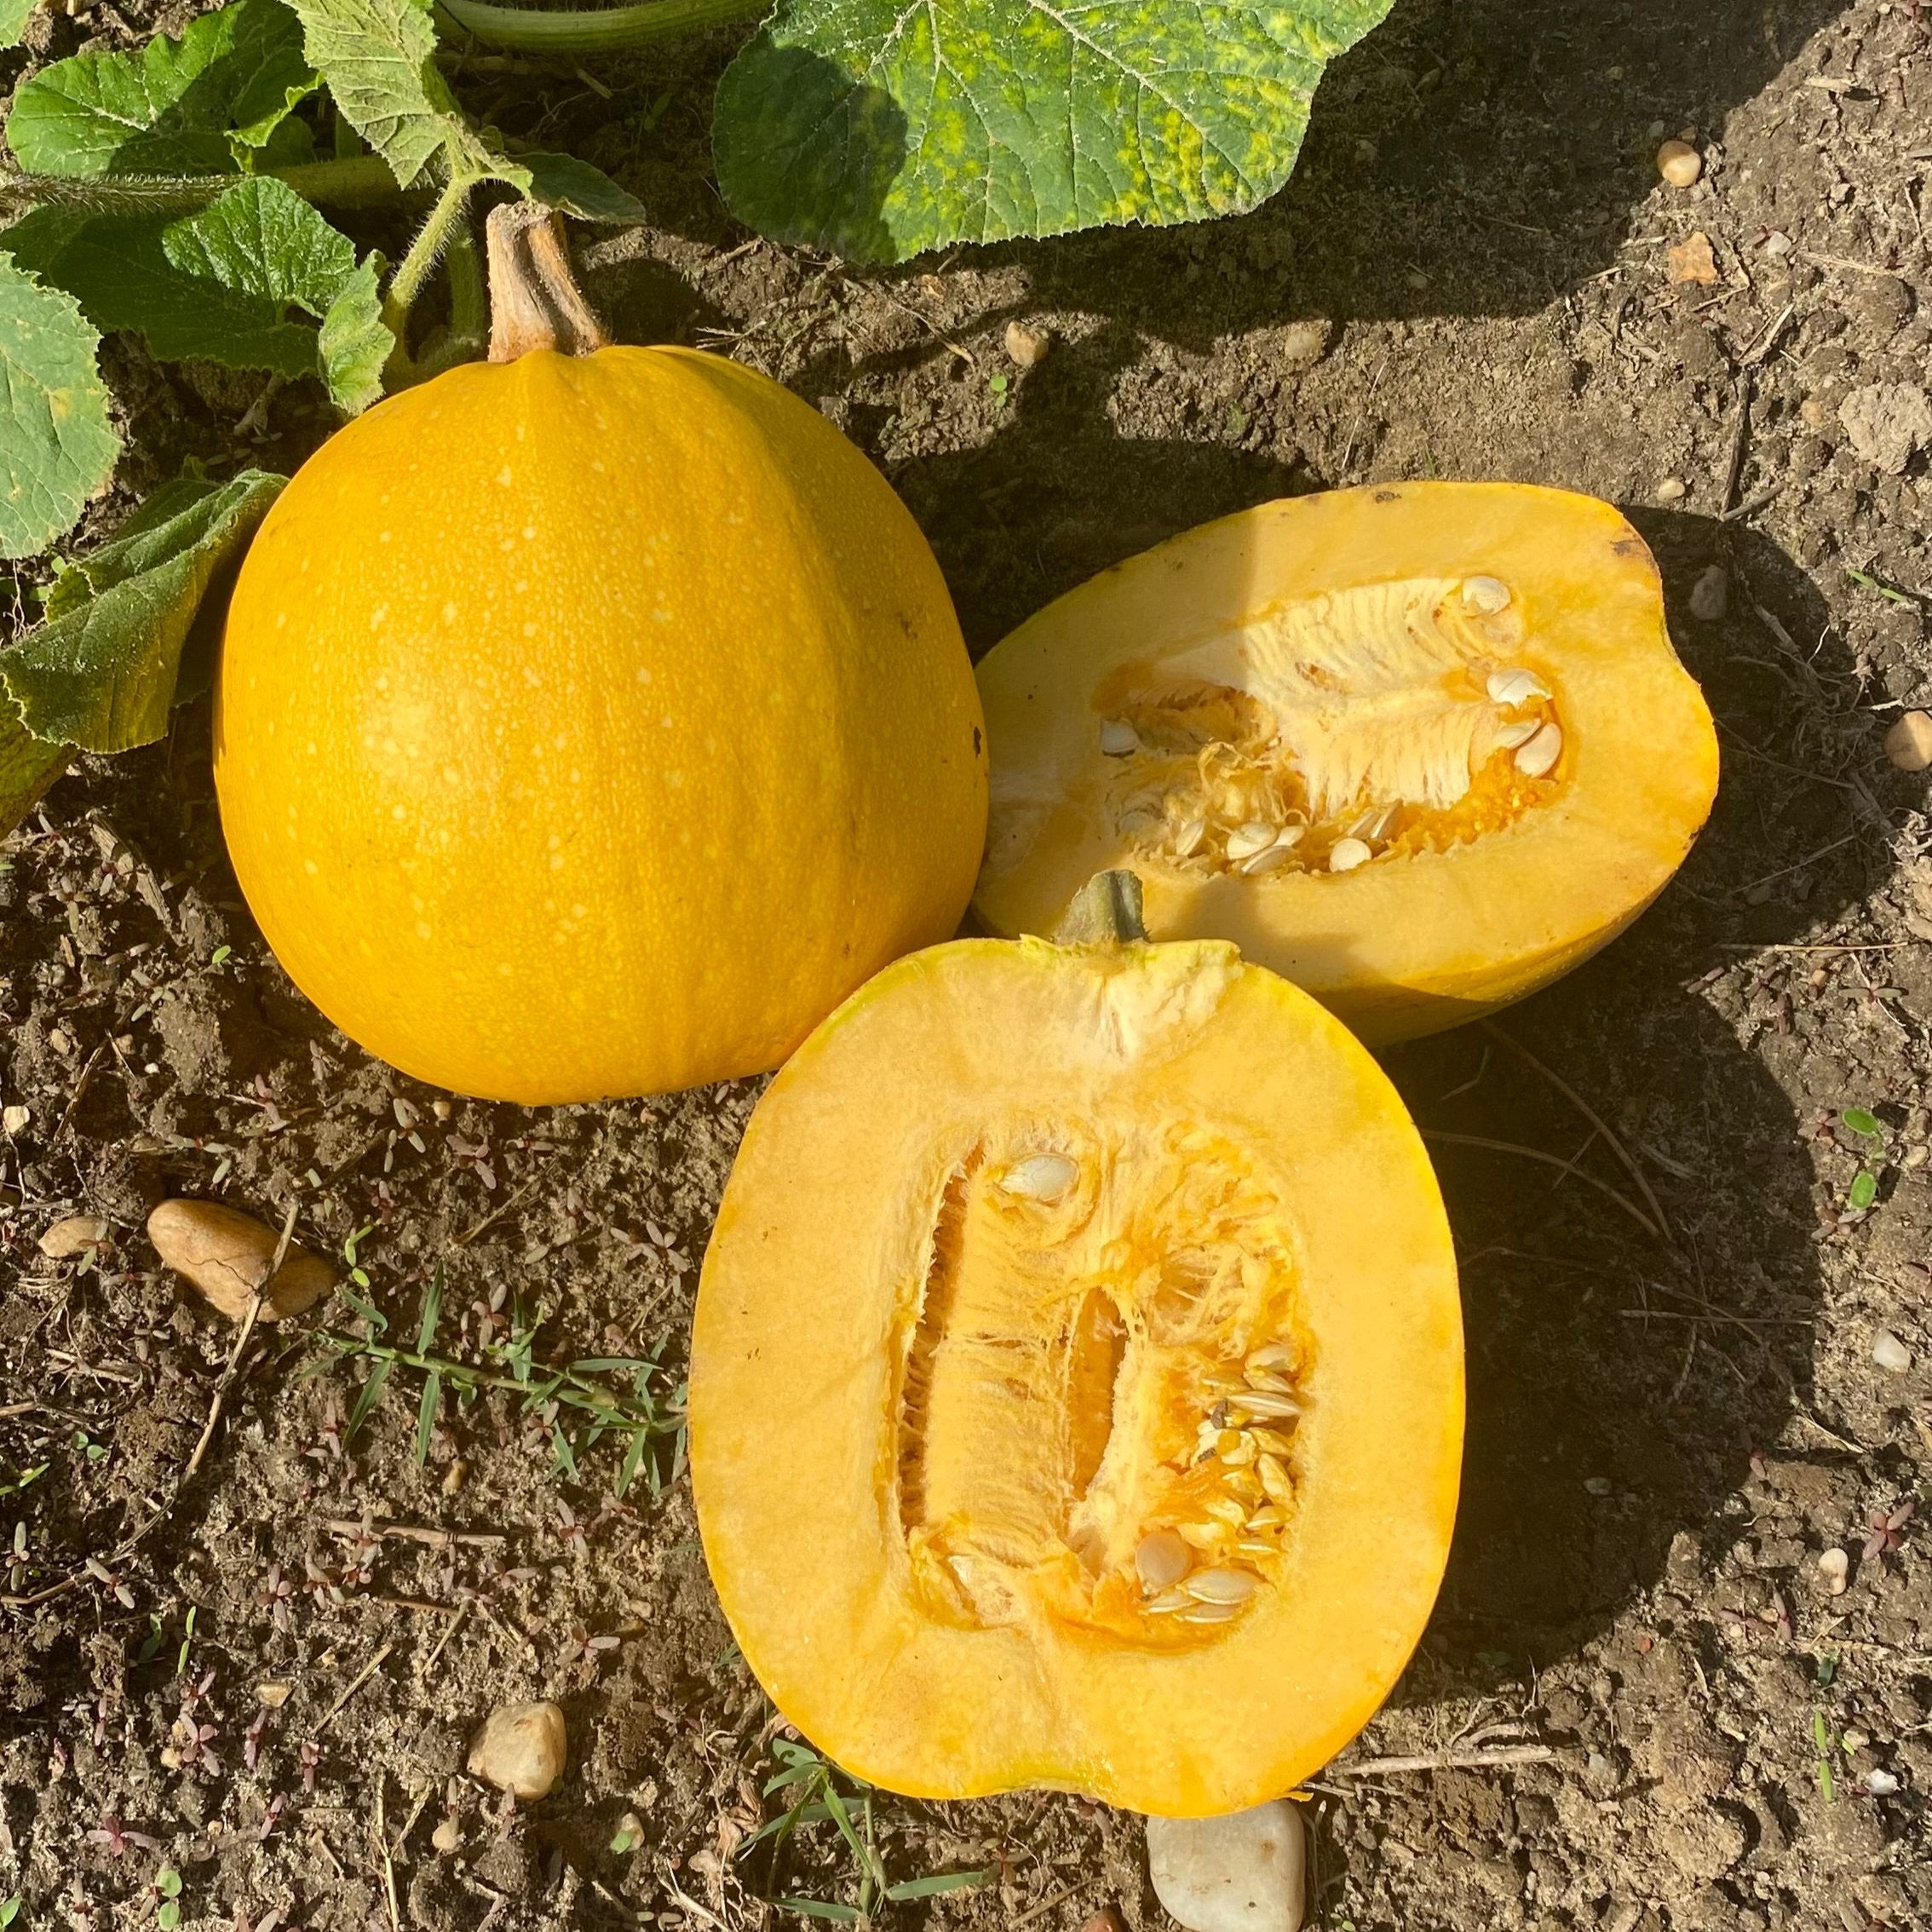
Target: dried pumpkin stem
(1105,912)
(534,299)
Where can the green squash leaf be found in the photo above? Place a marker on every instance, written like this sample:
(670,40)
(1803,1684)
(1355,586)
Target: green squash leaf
(102,672)
(577,188)
(28,765)
(57,450)
(878,129)
(194,106)
(219,284)
(13,17)
(377,56)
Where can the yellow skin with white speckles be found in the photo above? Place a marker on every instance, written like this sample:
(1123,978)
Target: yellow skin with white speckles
(593,725)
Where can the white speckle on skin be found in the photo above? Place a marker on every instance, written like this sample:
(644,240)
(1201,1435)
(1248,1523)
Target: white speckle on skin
(422,929)
(383,682)
(643,674)
(281,623)
(506,476)
(309,866)
(675,780)
(556,862)
(529,630)
(397,813)
(449,613)
(532,676)
(530,532)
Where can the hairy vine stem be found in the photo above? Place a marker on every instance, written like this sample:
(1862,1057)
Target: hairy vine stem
(525,30)
(357,181)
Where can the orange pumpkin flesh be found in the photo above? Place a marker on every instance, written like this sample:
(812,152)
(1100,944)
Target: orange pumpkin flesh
(1076,1391)
(1420,749)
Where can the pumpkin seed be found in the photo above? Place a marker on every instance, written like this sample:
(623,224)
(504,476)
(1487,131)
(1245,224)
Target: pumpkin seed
(1226,1510)
(1187,838)
(1266,1517)
(1266,1378)
(1245,841)
(1485,595)
(1118,738)
(1267,861)
(1347,853)
(1162,1558)
(1164,1606)
(1250,1546)
(1376,822)
(1271,1355)
(1541,753)
(1516,686)
(1202,1536)
(1041,1177)
(1211,1613)
(1264,1404)
(1274,1476)
(1520,731)
(1269,1443)
(1221,1586)
(1236,1448)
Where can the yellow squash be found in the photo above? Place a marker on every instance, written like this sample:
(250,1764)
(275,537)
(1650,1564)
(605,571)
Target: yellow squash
(593,724)
(1419,748)
(1076,1385)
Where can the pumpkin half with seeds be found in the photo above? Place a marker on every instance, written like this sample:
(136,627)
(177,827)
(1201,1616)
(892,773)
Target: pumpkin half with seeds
(1075,1385)
(1420,749)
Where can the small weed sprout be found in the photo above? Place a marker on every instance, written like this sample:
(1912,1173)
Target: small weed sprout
(811,1784)
(1870,1132)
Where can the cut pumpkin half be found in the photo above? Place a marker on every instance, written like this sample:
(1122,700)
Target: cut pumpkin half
(1419,748)
(1076,1389)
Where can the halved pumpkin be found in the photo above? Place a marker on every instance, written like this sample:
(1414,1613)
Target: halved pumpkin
(1076,1387)
(1419,748)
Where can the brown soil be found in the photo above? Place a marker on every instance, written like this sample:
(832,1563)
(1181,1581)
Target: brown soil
(1665,1432)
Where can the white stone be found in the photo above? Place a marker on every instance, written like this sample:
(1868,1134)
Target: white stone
(522,1748)
(1240,1873)
(1889,1353)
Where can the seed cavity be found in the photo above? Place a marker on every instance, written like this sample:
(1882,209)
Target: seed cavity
(1539,755)
(1118,738)
(1346,853)
(1485,595)
(1044,1177)
(1161,1559)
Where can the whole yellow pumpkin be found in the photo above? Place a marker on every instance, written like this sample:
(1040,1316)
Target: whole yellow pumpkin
(594,724)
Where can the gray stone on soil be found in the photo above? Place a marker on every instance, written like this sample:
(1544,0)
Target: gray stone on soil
(1240,1873)
(1888,423)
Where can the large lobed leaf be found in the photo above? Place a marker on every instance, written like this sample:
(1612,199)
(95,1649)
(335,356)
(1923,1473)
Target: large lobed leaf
(218,285)
(186,107)
(100,674)
(57,449)
(377,58)
(879,128)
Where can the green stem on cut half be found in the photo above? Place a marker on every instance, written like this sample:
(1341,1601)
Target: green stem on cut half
(525,30)
(1105,912)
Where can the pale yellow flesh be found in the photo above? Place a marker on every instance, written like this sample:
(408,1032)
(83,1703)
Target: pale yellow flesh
(824,1243)
(1412,942)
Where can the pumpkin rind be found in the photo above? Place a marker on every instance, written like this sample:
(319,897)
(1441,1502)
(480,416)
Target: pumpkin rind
(817,1283)
(1419,939)
(593,725)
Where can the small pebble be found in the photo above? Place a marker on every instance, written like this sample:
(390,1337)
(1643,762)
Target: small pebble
(1026,345)
(78,1235)
(226,1254)
(1107,1919)
(446,1836)
(1881,1783)
(1908,744)
(1240,1873)
(1889,1353)
(441,1109)
(1710,594)
(1834,1566)
(1671,490)
(1679,163)
(13,1120)
(455,1477)
(1855,1740)
(521,1749)
(272,1693)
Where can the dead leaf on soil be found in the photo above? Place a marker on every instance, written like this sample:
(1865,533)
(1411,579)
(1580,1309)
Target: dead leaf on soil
(1692,260)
